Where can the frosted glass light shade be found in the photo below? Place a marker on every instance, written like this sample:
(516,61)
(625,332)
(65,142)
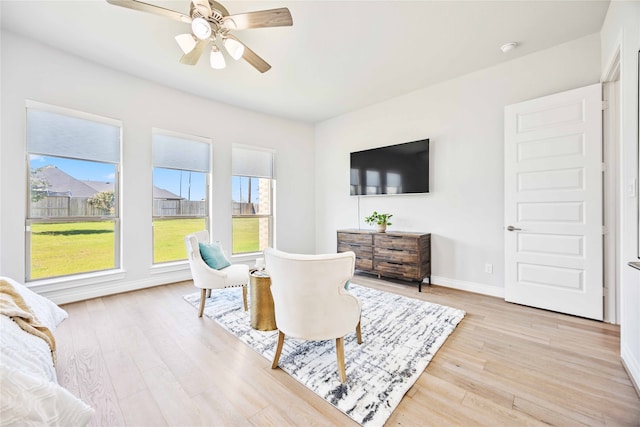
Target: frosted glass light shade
(201,28)
(186,42)
(217,58)
(235,48)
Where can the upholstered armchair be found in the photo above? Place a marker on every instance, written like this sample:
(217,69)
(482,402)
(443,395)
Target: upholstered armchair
(207,278)
(310,299)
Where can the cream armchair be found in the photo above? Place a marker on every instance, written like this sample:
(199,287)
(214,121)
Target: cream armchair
(310,299)
(207,278)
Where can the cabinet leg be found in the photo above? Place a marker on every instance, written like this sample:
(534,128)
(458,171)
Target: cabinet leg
(420,283)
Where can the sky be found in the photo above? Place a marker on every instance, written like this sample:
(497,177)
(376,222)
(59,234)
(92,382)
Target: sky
(175,181)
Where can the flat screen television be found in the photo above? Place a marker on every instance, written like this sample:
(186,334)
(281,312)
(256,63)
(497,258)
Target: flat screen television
(394,169)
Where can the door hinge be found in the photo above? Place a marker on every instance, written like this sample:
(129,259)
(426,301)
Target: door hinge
(604,230)
(605,105)
(603,167)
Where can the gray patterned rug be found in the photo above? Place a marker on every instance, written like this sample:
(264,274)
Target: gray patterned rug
(400,335)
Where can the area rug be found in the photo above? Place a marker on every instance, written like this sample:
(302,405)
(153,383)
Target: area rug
(401,335)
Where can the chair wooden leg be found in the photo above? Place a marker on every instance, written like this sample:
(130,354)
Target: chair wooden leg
(244,296)
(203,297)
(359,333)
(340,355)
(276,357)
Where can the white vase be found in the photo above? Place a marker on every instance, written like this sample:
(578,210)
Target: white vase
(382,228)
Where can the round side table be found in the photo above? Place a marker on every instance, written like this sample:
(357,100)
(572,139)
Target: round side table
(262,313)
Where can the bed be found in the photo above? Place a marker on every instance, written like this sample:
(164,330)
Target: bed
(29,390)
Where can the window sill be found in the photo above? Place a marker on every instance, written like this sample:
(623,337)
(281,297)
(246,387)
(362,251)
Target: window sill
(70,282)
(248,257)
(169,267)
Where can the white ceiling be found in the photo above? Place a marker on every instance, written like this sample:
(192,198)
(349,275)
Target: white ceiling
(338,56)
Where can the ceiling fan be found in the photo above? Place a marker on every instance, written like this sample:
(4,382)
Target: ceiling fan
(211,24)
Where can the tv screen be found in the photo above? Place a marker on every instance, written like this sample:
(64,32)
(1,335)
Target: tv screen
(394,169)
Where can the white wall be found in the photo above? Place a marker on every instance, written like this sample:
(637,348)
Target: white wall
(33,71)
(464,120)
(621,31)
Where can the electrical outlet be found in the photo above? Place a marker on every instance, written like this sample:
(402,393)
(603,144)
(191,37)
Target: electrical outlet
(488,268)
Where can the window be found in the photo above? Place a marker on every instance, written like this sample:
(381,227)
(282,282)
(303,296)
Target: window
(180,189)
(252,199)
(73,220)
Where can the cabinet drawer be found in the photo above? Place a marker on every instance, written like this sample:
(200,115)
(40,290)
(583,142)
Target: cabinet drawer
(396,270)
(360,251)
(396,255)
(355,238)
(364,264)
(396,242)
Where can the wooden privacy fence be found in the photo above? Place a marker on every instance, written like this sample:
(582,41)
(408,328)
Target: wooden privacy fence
(63,206)
(178,207)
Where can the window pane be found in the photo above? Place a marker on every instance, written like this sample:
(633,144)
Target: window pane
(251,195)
(61,187)
(250,234)
(70,248)
(179,193)
(168,237)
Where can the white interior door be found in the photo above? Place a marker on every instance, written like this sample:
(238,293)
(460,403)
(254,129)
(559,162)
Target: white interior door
(553,202)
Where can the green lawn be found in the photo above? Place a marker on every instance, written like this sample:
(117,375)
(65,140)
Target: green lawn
(62,249)
(245,235)
(168,237)
(79,247)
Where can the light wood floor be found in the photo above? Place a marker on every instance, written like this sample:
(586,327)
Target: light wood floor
(144,358)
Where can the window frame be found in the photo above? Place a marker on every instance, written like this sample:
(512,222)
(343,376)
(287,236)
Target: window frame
(116,218)
(207,191)
(272,191)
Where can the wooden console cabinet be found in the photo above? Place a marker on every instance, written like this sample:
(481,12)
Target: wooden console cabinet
(401,255)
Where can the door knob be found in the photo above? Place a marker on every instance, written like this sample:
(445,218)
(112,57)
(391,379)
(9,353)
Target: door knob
(512,228)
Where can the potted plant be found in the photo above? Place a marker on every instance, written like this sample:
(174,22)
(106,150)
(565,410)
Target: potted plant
(381,220)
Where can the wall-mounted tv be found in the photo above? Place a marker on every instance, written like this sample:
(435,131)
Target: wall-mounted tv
(394,169)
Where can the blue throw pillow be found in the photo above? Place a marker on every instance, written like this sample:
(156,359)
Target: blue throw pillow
(213,255)
(346,285)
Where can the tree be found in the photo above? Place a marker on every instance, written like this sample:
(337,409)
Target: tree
(38,184)
(103,200)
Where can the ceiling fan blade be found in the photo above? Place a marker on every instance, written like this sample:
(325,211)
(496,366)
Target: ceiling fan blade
(260,19)
(252,58)
(202,6)
(192,57)
(157,10)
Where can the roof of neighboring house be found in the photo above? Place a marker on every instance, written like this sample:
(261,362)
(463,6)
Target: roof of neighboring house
(61,183)
(161,193)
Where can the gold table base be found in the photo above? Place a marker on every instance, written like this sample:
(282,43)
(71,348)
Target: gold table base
(262,313)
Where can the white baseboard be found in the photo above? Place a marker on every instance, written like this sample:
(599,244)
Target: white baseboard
(95,290)
(474,287)
(632,366)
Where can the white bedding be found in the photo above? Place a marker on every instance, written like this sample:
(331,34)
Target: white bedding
(29,391)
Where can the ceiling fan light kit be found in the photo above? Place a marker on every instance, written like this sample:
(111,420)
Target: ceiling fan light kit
(210,21)
(234,48)
(201,28)
(508,47)
(216,59)
(187,42)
